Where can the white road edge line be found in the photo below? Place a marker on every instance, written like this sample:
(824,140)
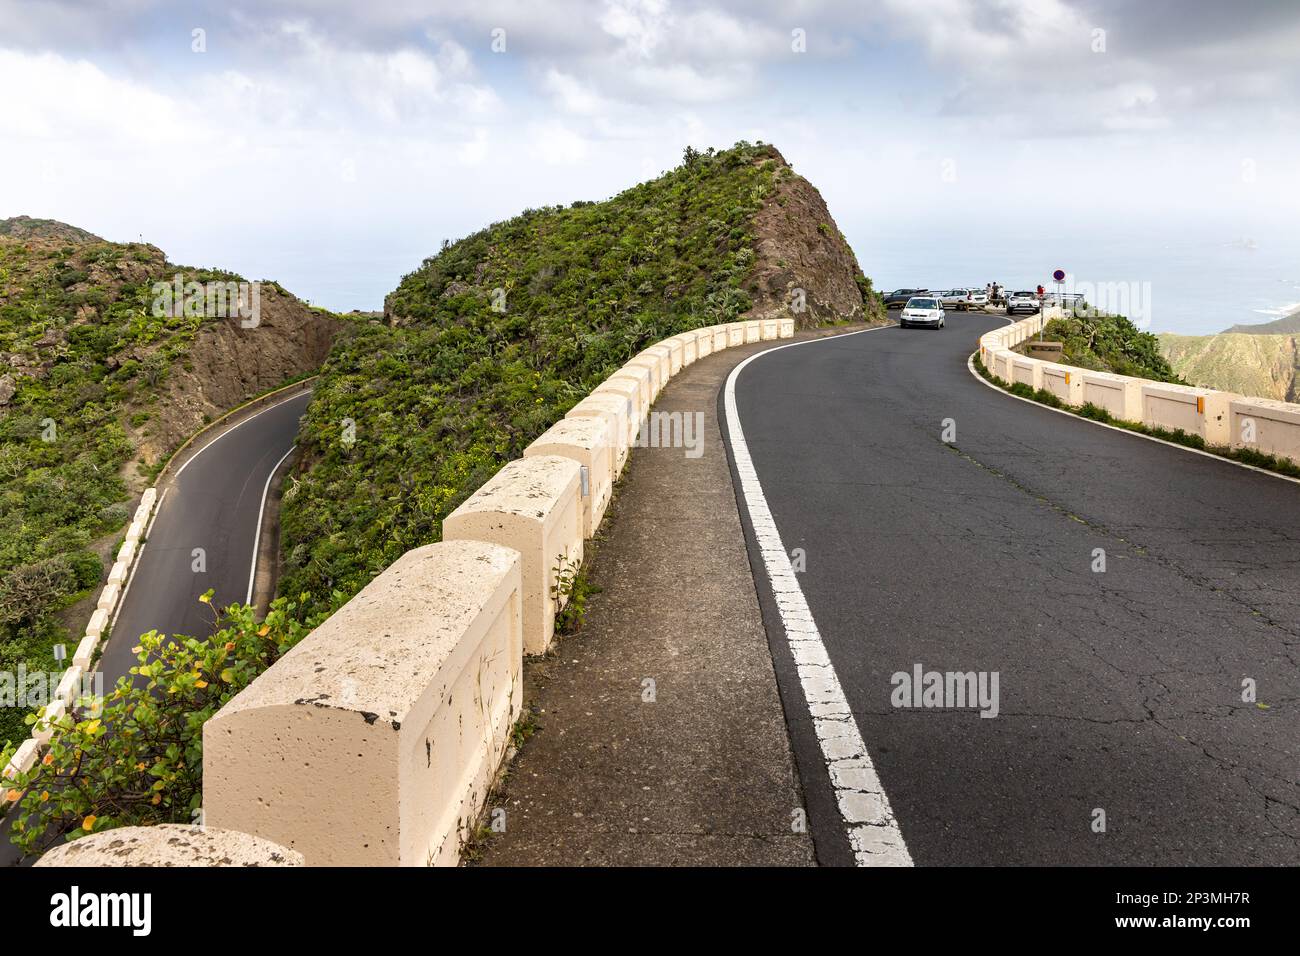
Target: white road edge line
(872,830)
(970,365)
(139,556)
(257,535)
(180,471)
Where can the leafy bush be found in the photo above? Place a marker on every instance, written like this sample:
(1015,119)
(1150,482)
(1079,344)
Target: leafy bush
(139,760)
(1110,343)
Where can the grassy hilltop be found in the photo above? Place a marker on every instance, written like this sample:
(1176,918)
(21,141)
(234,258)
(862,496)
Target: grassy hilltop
(449,388)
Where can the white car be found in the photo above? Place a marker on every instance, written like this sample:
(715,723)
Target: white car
(1023,302)
(954,299)
(925,311)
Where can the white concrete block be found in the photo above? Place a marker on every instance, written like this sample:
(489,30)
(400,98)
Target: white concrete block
(588,442)
(375,740)
(533,506)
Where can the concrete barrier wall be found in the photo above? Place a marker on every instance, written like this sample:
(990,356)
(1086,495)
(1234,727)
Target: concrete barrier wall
(613,410)
(1197,411)
(703,342)
(675,354)
(721,337)
(643,377)
(588,442)
(618,386)
(1222,419)
(1027,371)
(1063,381)
(687,341)
(170,844)
(1266,425)
(651,365)
(1118,394)
(376,739)
(534,506)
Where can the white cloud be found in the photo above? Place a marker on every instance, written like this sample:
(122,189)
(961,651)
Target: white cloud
(574,96)
(556,144)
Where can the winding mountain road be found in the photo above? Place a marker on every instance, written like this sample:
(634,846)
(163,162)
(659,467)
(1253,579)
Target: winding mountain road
(1119,690)
(204,534)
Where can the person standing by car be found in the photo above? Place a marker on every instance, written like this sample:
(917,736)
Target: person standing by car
(1041,291)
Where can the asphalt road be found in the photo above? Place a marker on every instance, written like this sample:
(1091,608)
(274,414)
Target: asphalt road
(1119,691)
(212,504)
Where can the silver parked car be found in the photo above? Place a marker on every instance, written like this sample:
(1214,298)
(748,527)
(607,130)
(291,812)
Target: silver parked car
(924,311)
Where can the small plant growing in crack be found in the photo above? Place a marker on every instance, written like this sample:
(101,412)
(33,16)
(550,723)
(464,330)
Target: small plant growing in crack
(571,590)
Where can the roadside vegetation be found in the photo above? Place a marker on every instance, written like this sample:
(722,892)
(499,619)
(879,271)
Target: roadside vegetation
(139,760)
(1110,343)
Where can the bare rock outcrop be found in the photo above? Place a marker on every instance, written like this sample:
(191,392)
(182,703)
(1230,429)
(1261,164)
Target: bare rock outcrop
(799,247)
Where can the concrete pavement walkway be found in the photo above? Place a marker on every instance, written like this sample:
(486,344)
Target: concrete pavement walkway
(661,738)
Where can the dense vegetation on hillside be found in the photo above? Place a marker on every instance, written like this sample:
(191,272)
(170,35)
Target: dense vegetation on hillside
(1110,343)
(80,353)
(454,388)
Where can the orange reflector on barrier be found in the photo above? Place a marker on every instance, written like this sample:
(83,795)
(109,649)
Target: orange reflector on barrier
(1200,404)
(1067,378)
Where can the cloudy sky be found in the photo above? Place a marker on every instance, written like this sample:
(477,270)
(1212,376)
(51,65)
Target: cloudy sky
(332,145)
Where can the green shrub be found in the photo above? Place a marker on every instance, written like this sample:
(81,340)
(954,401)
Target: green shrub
(87,569)
(1110,343)
(139,761)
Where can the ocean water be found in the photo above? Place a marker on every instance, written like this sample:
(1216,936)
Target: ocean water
(1171,281)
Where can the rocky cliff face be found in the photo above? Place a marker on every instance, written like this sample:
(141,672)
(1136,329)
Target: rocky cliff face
(227,364)
(800,253)
(1260,365)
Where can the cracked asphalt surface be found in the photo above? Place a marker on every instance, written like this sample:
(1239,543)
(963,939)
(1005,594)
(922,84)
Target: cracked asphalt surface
(1120,691)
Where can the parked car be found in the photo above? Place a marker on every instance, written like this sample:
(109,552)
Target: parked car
(976,299)
(1022,302)
(898,298)
(955,298)
(925,311)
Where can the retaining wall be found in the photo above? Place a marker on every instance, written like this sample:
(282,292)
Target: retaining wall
(1223,419)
